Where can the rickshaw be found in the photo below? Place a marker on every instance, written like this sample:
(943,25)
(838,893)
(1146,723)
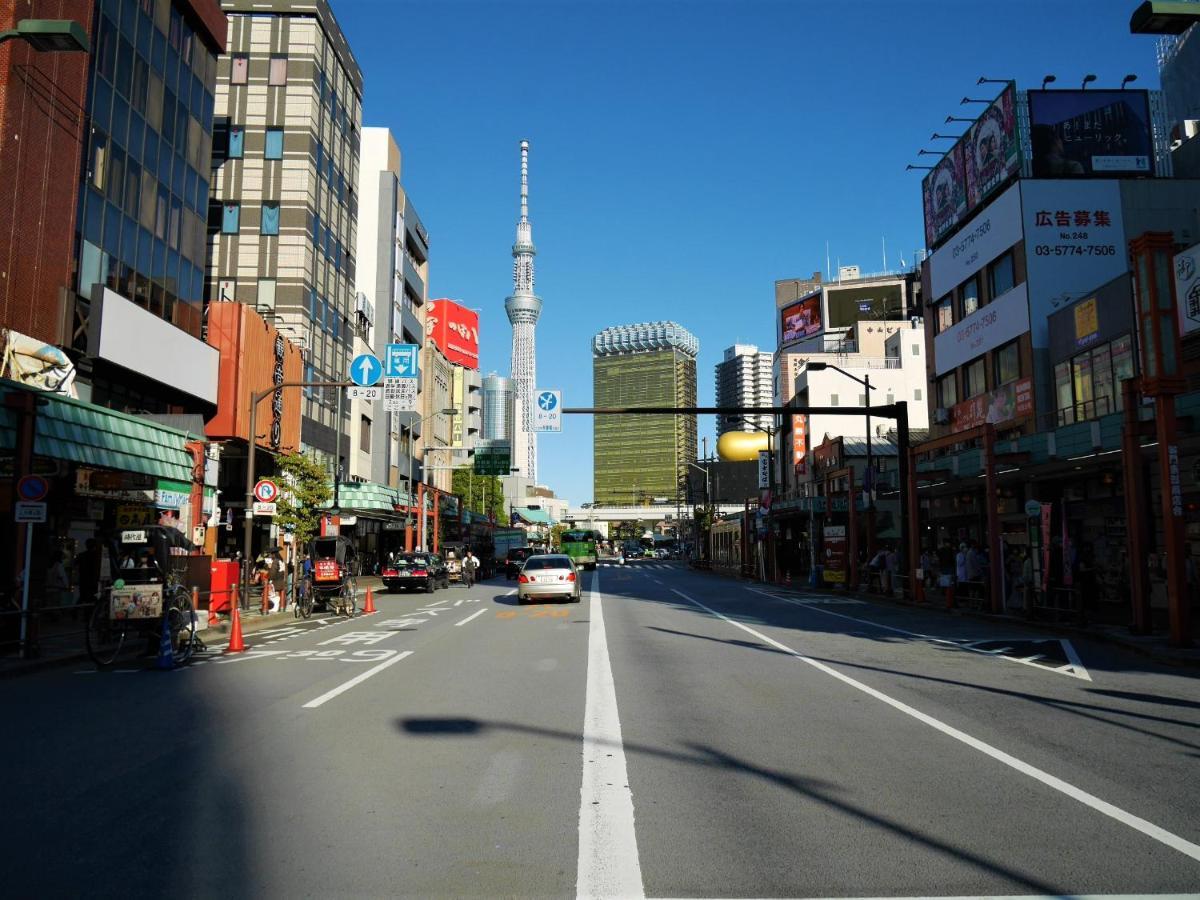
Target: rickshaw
(334,566)
(143,589)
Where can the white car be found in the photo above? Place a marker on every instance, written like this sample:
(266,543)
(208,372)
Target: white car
(548,575)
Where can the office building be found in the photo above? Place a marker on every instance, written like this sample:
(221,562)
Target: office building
(498,408)
(643,459)
(285,191)
(744,379)
(392,271)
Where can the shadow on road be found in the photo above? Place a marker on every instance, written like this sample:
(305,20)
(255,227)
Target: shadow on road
(812,789)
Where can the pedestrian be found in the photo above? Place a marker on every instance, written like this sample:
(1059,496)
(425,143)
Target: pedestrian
(469,565)
(277,573)
(58,585)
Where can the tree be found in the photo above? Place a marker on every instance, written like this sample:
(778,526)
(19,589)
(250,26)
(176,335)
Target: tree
(305,494)
(474,489)
(556,534)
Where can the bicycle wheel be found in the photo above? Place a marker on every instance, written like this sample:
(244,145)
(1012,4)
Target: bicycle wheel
(304,601)
(347,600)
(181,625)
(104,637)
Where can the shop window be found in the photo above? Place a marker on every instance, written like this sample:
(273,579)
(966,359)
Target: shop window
(1000,275)
(277,77)
(947,391)
(270,218)
(974,378)
(230,214)
(970,296)
(240,70)
(1007,363)
(1081,381)
(945,314)
(274,145)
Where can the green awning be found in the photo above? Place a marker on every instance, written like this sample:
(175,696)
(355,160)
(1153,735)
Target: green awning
(91,435)
(370,497)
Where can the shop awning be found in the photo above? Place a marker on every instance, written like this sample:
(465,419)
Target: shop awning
(91,435)
(368,497)
(532,516)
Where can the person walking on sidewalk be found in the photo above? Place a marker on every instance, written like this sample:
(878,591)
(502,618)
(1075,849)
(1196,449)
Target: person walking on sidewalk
(277,572)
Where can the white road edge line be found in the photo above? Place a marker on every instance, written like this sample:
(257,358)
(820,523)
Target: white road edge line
(1187,848)
(608,854)
(1075,670)
(473,615)
(357,679)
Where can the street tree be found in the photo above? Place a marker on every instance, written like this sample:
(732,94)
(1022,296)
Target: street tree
(306,492)
(482,494)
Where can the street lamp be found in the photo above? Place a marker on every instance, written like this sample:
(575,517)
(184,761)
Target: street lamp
(1087,79)
(449,411)
(1049,79)
(50,35)
(813,366)
(1126,80)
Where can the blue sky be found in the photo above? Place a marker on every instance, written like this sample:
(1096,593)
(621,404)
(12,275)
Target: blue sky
(685,155)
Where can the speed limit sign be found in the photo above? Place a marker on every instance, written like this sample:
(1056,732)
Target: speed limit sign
(266,491)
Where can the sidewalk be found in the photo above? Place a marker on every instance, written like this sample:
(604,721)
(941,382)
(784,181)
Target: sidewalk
(61,641)
(1153,646)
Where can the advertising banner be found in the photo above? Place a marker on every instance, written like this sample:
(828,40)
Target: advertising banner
(800,444)
(835,554)
(1074,242)
(801,319)
(1005,403)
(1187,289)
(764,468)
(455,330)
(991,150)
(1076,134)
(944,195)
(985,329)
(990,233)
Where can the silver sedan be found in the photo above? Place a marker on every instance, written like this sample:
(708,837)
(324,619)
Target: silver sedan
(548,575)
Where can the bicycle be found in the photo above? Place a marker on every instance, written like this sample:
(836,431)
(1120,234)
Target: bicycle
(303,606)
(105,636)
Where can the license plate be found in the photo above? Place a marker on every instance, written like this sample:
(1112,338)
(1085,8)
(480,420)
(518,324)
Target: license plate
(546,579)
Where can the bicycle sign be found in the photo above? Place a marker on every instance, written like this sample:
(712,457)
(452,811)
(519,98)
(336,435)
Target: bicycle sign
(266,491)
(547,411)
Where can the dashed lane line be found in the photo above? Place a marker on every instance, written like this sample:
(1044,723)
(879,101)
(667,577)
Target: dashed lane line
(356,680)
(1155,832)
(473,615)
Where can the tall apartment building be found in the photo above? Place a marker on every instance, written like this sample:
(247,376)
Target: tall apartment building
(393,266)
(744,379)
(499,397)
(640,458)
(285,201)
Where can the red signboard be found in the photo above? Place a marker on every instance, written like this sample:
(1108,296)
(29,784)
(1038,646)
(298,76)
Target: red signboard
(800,443)
(1005,403)
(455,331)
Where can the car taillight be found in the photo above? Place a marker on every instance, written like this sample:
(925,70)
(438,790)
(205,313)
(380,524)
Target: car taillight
(523,579)
(420,572)
(570,576)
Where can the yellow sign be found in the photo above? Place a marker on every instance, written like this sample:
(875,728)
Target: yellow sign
(1087,321)
(129,515)
(834,576)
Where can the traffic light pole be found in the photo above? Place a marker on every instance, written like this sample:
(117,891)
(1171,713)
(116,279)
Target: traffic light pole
(251,459)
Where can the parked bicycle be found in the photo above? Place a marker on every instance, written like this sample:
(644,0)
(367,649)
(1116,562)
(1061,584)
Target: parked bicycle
(143,594)
(303,606)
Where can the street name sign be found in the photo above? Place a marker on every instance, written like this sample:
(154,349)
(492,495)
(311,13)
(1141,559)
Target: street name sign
(365,370)
(547,411)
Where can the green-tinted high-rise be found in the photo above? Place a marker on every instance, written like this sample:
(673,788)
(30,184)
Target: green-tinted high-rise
(642,459)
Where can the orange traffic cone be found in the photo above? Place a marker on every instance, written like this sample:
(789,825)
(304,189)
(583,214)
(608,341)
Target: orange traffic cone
(236,644)
(370,605)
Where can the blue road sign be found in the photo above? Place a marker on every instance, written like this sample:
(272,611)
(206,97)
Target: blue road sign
(400,361)
(547,400)
(32,487)
(365,370)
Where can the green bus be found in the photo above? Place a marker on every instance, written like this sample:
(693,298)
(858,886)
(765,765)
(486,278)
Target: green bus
(582,546)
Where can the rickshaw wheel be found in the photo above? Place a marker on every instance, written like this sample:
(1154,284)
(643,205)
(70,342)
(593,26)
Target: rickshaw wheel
(181,624)
(104,637)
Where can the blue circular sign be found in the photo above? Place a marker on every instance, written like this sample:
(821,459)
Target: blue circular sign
(547,400)
(33,488)
(365,370)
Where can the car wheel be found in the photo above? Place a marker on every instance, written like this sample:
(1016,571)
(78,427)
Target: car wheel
(575,598)
(429,586)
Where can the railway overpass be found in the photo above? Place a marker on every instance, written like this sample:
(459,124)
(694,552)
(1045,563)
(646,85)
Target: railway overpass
(659,512)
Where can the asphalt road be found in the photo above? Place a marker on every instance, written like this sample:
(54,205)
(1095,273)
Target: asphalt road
(675,734)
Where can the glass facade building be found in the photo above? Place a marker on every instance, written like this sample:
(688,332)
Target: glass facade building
(499,397)
(638,459)
(142,205)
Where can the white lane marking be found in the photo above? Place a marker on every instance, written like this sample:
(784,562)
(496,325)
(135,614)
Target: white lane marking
(357,679)
(473,615)
(1075,670)
(1187,848)
(458,603)
(608,855)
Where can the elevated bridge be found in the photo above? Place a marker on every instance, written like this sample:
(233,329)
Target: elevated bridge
(659,512)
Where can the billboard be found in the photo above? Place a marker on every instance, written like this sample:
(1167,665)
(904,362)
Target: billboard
(990,233)
(991,150)
(944,195)
(455,330)
(1077,134)
(985,329)
(801,319)
(1005,403)
(1187,289)
(1074,242)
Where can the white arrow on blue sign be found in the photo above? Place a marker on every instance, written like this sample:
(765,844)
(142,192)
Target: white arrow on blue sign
(400,361)
(365,370)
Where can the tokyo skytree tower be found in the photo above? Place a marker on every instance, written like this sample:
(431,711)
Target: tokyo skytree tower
(523,309)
